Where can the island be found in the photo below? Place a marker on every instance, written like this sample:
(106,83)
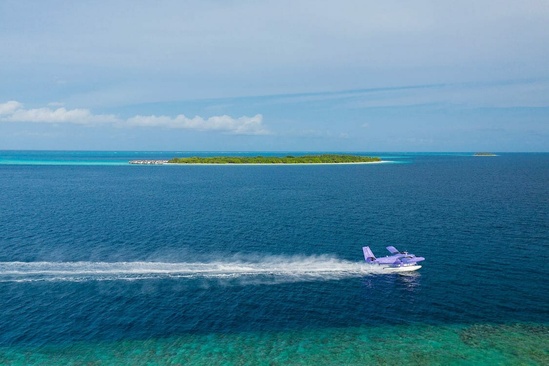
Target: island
(305,159)
(484,154)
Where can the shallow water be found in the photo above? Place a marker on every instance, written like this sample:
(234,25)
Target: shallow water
(514,344)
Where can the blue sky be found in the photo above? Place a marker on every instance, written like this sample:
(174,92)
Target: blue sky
(275,75)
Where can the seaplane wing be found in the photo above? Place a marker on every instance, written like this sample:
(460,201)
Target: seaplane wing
(411,259)
(393,250)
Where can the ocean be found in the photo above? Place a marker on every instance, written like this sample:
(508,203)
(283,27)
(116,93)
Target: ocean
(102,262)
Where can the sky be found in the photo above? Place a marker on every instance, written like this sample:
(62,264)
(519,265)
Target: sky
(241,75)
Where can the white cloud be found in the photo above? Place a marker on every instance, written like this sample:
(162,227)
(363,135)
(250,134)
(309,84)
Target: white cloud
(240,126)
(13,111)
(9,107)
(59,115)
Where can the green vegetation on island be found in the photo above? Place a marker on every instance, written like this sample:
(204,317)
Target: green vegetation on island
(306,159)
(484,154)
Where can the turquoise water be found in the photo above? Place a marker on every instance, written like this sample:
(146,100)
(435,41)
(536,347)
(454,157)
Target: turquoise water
(519,344)
(205,265)
(79,158)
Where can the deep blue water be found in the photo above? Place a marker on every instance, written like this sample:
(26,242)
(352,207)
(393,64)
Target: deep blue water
(175,250)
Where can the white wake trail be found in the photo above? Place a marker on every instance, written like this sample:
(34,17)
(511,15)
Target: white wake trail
(278,267)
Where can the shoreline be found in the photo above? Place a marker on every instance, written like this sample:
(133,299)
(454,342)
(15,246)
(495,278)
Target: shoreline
(275,164)
(276,160)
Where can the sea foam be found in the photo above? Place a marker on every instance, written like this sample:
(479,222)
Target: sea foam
(280,268)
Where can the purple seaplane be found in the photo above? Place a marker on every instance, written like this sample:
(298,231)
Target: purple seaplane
(397,262)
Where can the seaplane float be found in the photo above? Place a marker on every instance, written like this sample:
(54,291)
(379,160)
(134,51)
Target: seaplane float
(396,262)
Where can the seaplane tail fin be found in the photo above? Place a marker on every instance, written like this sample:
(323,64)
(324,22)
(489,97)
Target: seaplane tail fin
(368,255)
(393,250)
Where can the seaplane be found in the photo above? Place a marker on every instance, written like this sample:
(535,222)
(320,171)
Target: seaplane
(396,262)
